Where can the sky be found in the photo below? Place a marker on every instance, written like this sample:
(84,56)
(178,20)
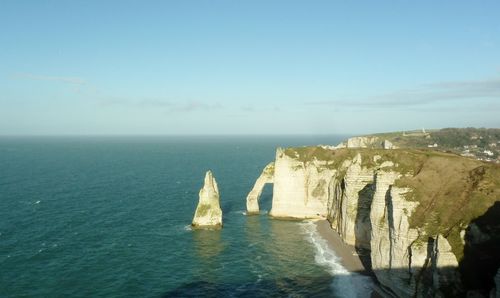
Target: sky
(247,67)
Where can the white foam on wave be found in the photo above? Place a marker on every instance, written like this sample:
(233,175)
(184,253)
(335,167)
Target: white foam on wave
(188,228)
(345,283)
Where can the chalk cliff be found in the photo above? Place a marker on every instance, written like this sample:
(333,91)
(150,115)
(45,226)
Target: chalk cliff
(372,142)
(300,185)
(208,212)
(361,142)
(408,210)
(267,176)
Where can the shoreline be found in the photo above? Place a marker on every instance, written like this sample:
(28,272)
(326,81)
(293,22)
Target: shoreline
(347,253)
(349,257)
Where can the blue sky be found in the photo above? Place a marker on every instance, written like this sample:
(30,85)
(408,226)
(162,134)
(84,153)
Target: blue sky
(247,67)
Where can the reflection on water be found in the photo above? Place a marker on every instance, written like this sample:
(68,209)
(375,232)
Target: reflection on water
(253,228)
(208,244)
(276,246)
(256,256)
(291,257)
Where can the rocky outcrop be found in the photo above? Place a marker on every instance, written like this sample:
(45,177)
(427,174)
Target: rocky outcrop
(364,142)
(388,145)
(300,187)
(444,267)
(351,218)
(367,200)
(402,261)
(267,176)
(361,142)
(208,212)
(391,236)
(370,213)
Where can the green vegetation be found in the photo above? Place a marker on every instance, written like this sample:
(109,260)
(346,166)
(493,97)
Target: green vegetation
(269,169)
(452,192)
(454,137)
(202,210)
(452,140)
(308,154)
(334,158)
(408,160)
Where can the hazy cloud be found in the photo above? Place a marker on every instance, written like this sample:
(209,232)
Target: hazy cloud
(248,108)
(196,106)
(157,103)
(66,80)
(171,106)
(425,94)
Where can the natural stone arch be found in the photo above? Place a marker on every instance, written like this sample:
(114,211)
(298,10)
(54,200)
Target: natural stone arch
(267,176)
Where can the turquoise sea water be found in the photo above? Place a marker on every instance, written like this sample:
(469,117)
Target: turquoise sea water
(109,217)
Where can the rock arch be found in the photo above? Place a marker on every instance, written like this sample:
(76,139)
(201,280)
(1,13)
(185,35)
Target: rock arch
(267,176)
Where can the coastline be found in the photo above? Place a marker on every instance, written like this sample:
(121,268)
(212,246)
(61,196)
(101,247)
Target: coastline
(348,255)
(349,258)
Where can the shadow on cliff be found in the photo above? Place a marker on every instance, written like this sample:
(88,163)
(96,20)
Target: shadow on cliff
(482,251)
(363,226)
(477,269)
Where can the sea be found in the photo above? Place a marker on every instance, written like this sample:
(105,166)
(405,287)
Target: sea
(98,216)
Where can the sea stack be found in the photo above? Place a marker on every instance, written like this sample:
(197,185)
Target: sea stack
(208,213)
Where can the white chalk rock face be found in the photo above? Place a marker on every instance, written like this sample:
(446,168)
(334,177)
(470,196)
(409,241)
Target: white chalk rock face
(267,176)
(361,142)
(395,257)
(300,188)
(208,213)
(349,205)
(388,145)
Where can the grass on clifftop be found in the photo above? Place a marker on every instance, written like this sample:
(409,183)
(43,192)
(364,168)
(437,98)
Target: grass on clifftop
(408,160)
(451,190)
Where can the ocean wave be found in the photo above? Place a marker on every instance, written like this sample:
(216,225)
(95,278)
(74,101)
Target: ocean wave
(346,283)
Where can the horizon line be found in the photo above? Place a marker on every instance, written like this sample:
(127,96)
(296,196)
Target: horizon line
(231,134)
(175,135)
